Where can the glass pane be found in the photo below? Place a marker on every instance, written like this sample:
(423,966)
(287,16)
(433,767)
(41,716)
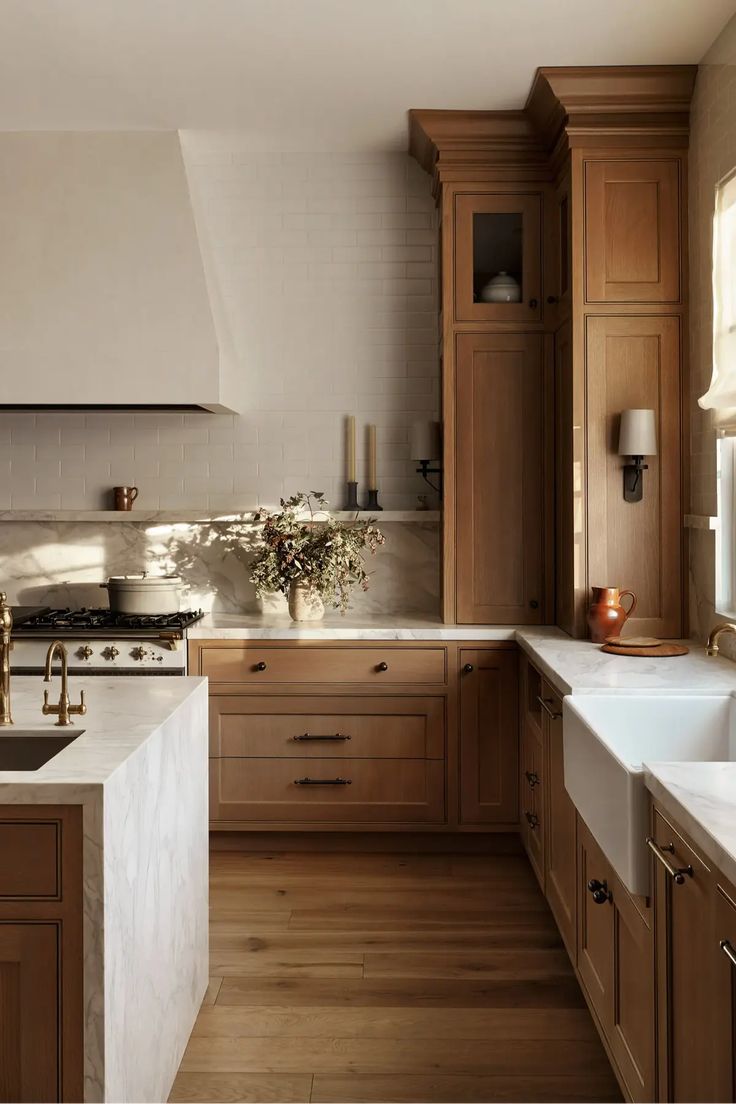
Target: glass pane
(497,257)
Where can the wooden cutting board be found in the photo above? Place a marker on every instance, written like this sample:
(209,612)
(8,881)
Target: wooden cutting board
(658,651)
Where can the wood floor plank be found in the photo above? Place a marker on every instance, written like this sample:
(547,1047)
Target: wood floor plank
(550,993)
(390,1056)
(479,899)
(489,1024)
(233,937)
(229,1088)
(212,990)
(413,919)
(463,1089)
(326,963)
(502,965)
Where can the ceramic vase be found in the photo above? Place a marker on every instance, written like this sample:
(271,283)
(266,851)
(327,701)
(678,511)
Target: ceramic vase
(606,615)
(305,604)
(502,288)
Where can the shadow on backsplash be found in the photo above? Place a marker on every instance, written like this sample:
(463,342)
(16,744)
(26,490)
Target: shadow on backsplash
(63,563)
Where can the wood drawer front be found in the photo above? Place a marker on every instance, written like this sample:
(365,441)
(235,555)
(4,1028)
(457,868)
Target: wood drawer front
(325,665)
(384,728)
(265,790)
(29,859)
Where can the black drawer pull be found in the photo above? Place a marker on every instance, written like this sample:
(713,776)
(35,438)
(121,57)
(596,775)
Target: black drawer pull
(600,891)
(316,736)
(533,303)
(382,666)
(323,781)
(533,819)
(260,666)
(532,778)
(468,669)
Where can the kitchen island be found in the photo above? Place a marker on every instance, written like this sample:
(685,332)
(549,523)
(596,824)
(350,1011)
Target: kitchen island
(135,778)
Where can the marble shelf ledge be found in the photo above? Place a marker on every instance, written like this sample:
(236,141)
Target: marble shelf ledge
(202,517)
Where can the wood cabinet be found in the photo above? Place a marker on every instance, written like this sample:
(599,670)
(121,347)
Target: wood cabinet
(500,474)
(724,993)
(498,233)
(489,737)
(685,953)
(561,820)
(615,963)
(532,794)
(41,1005)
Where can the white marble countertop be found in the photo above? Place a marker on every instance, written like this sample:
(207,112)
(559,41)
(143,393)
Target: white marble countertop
(701,797)
(122,714)
(272,626)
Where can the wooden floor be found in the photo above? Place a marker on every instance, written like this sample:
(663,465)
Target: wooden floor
(380,977)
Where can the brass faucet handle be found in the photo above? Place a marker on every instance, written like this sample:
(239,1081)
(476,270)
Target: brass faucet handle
(49,710)
(81,709)
(6,614)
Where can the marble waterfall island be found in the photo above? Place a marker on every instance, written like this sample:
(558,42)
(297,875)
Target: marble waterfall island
(137,768)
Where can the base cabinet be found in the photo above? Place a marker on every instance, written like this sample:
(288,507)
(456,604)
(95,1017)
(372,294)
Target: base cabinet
(489,737)
(724,993)
(29,1025)
(561,867)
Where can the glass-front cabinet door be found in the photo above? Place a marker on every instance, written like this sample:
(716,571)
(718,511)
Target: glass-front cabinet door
(498,258)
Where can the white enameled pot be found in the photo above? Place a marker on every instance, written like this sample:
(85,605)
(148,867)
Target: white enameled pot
(143,594)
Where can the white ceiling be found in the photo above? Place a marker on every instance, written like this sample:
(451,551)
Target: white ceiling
(313,74)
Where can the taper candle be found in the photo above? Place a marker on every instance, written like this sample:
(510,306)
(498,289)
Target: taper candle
(372,480)
(350,447)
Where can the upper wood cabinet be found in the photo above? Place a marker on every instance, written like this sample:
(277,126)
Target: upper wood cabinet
(632,231)
(489,736)
(498,234)
(499,478)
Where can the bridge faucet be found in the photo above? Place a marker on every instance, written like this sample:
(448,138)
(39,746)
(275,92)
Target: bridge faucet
(63,709)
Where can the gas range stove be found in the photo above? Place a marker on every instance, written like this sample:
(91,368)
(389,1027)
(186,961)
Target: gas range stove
(100,642)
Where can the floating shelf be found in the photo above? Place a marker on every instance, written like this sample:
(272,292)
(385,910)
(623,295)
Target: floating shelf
(202,517)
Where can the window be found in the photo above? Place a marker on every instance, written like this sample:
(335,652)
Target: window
(722,391)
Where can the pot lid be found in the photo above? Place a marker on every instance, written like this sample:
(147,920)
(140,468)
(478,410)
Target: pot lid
(146,580)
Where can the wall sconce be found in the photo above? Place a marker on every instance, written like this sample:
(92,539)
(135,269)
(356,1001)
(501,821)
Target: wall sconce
(426,447)
(637,439)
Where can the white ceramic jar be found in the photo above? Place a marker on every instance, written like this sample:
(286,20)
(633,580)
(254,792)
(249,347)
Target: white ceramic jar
(501,288)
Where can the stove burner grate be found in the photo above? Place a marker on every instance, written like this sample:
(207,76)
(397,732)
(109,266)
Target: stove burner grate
(105,619)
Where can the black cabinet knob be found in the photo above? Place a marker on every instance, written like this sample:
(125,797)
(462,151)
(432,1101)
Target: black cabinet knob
(600,891)
(382,666)
(261,666)
(534,604)
(552,299)
(468,668)
(532,303)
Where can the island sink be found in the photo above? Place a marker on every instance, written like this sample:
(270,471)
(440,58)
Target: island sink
(607,738)
(30,749)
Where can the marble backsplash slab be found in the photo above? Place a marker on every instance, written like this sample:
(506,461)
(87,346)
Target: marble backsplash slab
(62,563)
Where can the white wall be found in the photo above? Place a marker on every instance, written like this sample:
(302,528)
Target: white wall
(325,267)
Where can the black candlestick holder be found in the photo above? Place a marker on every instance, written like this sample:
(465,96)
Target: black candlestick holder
(351,502)
(372,503)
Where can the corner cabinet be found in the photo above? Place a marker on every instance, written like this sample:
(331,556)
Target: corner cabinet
(499,473)
(489,737)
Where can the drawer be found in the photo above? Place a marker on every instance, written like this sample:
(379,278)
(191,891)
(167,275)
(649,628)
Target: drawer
(373,791)
(341,727)
(377,666)
(29,859)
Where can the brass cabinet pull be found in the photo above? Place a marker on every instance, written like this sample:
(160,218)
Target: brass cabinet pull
(532,778)
(676,873)
(532,819)
(544,702)
(323,781)
(728,950)
(317,736)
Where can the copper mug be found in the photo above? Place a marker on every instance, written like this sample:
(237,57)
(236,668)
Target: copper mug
(125,497)
(606,615)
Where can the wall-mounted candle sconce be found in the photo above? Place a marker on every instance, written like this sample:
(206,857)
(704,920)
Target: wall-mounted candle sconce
(637,439)
(426,449)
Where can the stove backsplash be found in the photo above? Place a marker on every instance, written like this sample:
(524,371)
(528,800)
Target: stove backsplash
(63,563)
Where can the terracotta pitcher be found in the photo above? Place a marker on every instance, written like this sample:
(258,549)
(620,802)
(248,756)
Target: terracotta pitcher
(606,615)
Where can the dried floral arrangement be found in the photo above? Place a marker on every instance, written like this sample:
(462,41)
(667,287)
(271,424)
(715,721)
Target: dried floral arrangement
(302,543)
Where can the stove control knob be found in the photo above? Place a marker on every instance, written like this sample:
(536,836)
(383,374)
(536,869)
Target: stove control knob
(111,652)
(139,653)
(84,652)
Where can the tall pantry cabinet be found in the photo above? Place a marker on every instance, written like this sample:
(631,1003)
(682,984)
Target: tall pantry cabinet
(581,198)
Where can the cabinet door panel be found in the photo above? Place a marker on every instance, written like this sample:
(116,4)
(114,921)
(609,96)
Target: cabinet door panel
(561,873)
(499,478)
(489,737)
(684,957)
(532,787)
(29,1028)
(595,928)
(635,363)
(632,1038)
(632,231)
(497,233)
(724,995)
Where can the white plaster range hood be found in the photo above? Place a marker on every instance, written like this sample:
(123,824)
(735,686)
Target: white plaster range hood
(103,296)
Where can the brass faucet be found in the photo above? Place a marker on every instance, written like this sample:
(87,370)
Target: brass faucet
(63,709)
(6,627)
(711,647)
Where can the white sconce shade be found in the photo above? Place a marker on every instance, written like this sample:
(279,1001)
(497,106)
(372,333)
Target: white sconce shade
(638,433)
(425,441)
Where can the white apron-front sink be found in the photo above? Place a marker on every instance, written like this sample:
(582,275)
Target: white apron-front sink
(608,737)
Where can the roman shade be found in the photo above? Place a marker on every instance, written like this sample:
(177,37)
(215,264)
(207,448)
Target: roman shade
(722,391)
